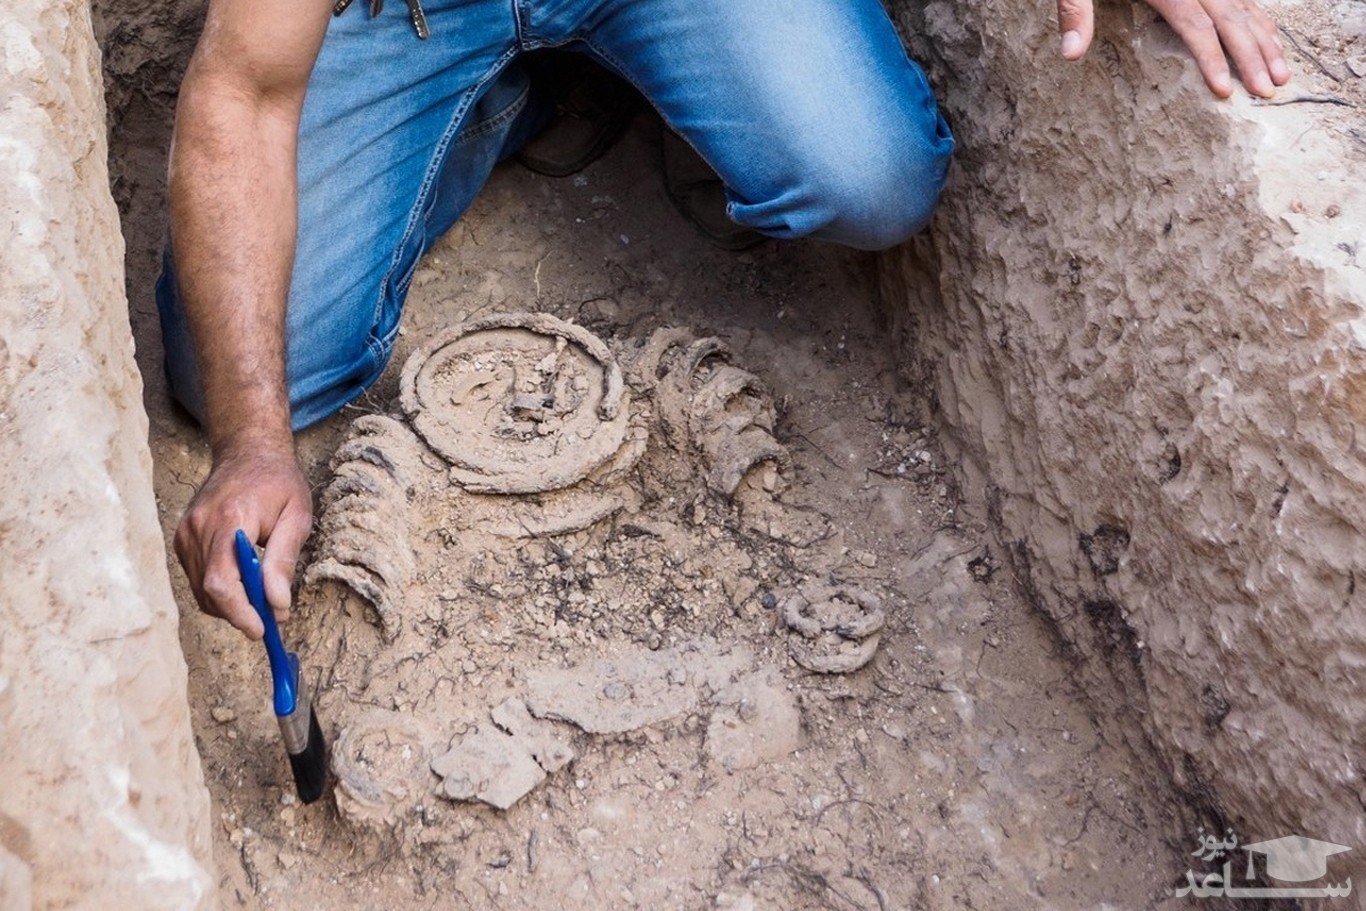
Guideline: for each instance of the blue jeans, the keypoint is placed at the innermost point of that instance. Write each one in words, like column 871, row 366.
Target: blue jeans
column 809, row 110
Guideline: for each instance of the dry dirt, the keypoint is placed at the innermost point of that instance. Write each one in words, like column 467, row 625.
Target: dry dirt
column 636, row 674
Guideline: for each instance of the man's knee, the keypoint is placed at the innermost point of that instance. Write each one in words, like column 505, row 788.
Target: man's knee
column 885, row 188
column 869, row 190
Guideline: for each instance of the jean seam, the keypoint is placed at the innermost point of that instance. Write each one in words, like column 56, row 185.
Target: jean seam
column 521, row 18
column 511, row 112
column 416, row 214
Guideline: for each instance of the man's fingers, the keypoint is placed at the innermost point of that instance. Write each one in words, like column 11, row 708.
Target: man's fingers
column 1196, row 28
column 266, row 496
column 188, row 555
column 1239, row 31
column 1077, row 22
column 224, row 594
column 1272, row 51
column 282, row 554
column 1239, row 27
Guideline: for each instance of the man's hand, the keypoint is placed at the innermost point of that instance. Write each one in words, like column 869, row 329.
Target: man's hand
column 267, row 497
column 1209, row 28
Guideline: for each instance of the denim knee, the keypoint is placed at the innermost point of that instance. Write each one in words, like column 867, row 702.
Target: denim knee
column 879, row 189
column 883, row 200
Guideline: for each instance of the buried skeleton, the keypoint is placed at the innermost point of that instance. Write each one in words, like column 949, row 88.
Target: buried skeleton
column 524, row 428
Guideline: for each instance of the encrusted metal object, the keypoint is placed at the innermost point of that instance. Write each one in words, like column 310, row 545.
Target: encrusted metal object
column 522, row 426
column 837, row 627
column 364, row 523
column 381, row 762
column 517, row 403
column 710, row 406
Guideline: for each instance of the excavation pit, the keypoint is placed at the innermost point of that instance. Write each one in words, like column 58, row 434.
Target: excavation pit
column 1124, row 416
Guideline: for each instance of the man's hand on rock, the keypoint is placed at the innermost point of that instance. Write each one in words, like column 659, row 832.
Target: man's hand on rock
column 264, row 494
column 1210, row 28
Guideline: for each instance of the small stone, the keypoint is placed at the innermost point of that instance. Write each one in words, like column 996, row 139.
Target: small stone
column 894, row 730
column 222, row 714
column 287, row 860
column 866, row 558
column 1358, row 66
column 287, row 816
column 1332, row 211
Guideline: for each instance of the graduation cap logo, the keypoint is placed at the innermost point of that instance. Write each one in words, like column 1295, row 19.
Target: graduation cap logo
column 1294, row 858
column 1290, row 859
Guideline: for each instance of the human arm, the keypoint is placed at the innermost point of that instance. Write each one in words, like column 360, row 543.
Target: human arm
column 233, row 218
column 1209, row 28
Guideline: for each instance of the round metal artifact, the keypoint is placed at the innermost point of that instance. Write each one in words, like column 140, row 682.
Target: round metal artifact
column 838, row 627
column 517, row 402
column 381, row 762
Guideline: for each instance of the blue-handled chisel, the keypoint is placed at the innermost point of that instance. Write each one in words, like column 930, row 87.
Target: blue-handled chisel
column 298, row 722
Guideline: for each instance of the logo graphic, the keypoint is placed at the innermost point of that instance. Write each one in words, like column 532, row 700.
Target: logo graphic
column 1290, row 859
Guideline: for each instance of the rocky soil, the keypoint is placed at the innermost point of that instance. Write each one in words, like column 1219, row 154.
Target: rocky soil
column 629, row 704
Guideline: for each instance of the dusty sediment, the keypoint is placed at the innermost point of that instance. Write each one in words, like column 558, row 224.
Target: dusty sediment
column 103, row 803
column 1141, row 311
column 1141, row 343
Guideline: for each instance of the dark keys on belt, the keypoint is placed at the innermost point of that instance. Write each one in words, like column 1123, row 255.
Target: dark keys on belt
column 415, row 14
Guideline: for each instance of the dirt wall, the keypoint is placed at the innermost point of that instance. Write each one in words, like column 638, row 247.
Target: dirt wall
column 102, row 802
column 1140, row 309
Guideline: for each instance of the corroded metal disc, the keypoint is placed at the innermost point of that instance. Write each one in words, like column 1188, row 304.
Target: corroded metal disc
column 517, row 403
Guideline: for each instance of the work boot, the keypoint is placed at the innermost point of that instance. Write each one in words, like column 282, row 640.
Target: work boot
column 592, row 109
column 698, row 193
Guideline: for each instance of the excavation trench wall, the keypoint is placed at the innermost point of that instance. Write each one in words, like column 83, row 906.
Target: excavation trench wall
column 102, row 804
column 1141, row 313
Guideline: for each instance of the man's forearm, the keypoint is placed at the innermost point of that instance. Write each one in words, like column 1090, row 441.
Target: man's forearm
column 232, row 189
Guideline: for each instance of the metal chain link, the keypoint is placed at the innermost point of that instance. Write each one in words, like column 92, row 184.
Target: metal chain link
column 415, row 14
